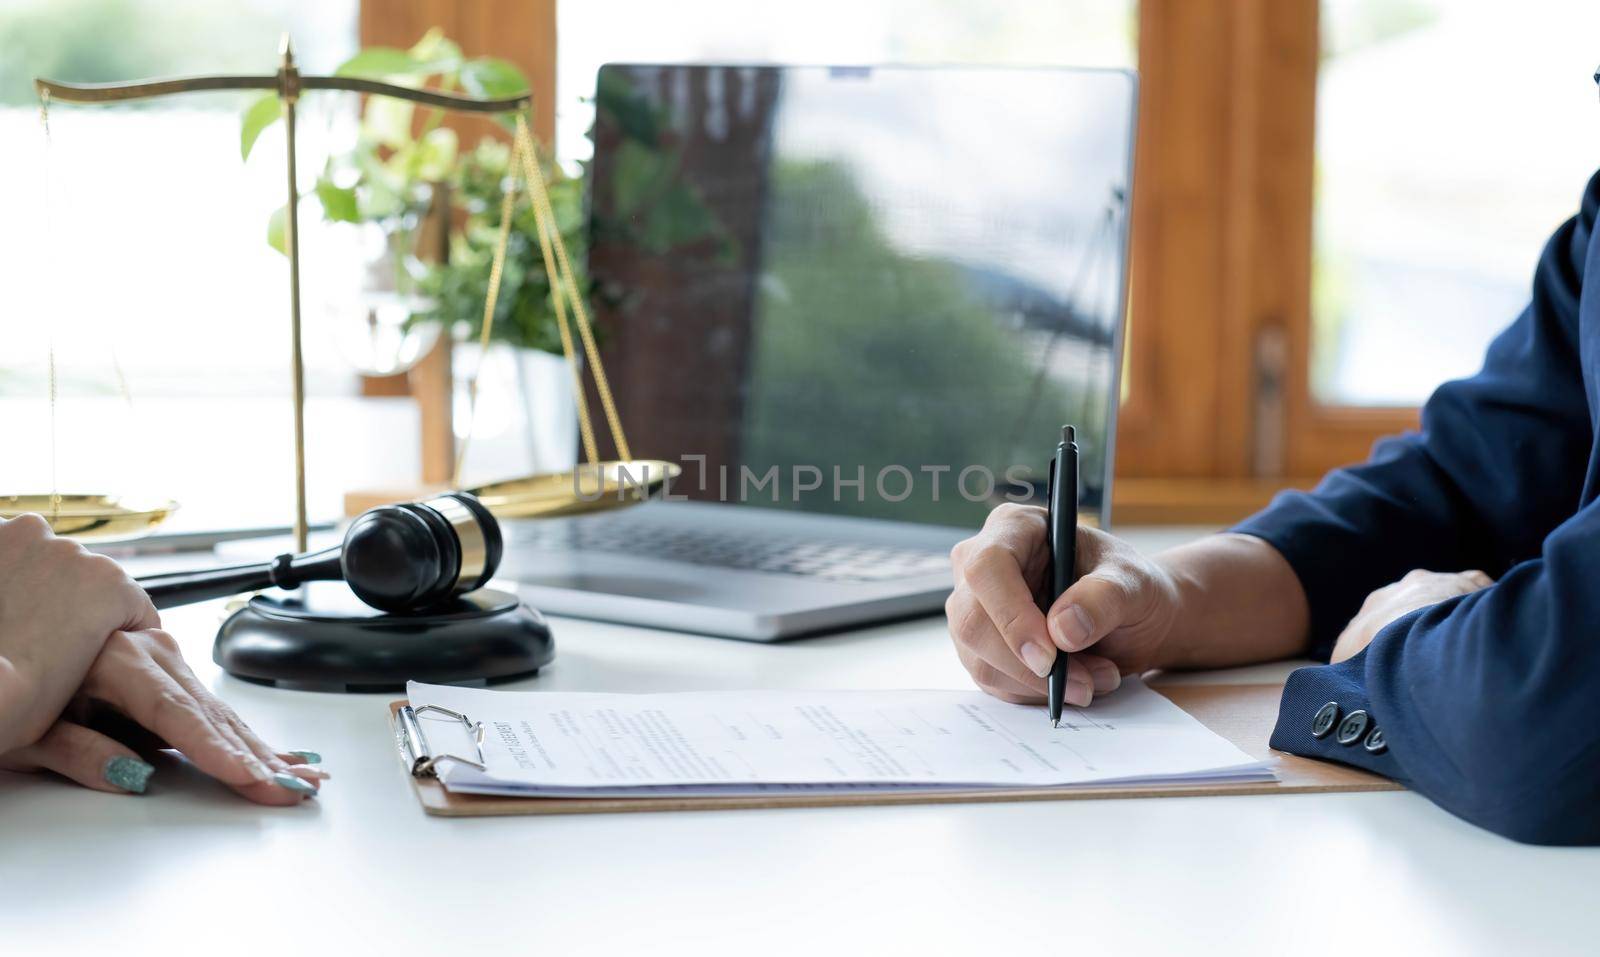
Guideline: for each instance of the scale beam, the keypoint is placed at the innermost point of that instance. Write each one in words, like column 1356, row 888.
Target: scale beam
column 536, row 496
column 113, row 92
column 289, row 83
column 144, row 89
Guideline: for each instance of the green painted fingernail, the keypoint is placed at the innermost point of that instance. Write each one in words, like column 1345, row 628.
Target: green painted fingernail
column 309, row 757
column 289, row 782
column 129, row 774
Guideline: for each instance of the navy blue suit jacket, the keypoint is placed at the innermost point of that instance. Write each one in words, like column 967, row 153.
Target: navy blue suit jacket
column 1489, row 704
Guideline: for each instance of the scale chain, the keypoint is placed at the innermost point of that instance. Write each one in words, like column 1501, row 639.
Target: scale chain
column 507, row 205
column 563, row 291
column 50, row 341
column 543, row 228
column 541, row 200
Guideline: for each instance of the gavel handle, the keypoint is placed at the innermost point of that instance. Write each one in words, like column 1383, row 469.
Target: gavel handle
column 285, row 571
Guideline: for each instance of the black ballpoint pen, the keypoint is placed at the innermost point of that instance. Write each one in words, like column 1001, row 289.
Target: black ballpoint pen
column 1062, row 528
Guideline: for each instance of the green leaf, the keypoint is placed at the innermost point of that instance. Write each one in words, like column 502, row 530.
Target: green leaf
column 276, row 225
column 566, row 201
column 378, row 62
column 436, row 155
column 388, row 121
column 492, row 78
column 378, row 188
column 437, row 52
column 379, row 201
column 338, row 203
column 257, row 117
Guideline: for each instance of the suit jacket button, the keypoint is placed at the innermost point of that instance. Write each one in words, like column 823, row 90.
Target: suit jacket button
column 1327, row 716
column 1375, row 742
column 1352, row 727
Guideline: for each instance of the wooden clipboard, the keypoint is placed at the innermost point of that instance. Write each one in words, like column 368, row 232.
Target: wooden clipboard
column 1244, row 714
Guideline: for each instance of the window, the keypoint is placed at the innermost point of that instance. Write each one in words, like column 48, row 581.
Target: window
column 1429, row 147
column 1452, row 138
column 144, row 258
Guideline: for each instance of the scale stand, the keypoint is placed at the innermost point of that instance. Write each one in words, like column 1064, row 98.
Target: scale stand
column 322, row 637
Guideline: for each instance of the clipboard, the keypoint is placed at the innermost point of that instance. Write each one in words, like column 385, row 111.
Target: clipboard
column 1243, row 713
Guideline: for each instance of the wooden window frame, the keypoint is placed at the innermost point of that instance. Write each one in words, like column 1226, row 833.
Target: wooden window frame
column 1220, row 411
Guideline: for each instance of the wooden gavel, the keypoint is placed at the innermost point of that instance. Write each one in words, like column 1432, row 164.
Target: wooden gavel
column 400, row 559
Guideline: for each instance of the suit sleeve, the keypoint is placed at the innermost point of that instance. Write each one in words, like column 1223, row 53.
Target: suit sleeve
column 1484, row 703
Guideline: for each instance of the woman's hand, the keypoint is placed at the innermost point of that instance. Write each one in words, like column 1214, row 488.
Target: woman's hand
column 140, row 692
column 58, row 605
column 77, row 635
column 1123, row 606
column 1418, row 589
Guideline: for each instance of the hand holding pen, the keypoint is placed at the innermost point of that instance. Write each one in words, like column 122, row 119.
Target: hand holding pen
column 1112, row 621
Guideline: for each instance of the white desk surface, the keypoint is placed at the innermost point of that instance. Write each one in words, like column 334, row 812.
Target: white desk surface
column 189, row 868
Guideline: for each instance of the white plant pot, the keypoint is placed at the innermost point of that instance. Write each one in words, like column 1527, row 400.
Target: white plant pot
column 526, row 417
column 550, row 412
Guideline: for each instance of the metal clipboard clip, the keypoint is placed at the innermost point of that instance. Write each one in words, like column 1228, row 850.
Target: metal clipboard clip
column 413, row 743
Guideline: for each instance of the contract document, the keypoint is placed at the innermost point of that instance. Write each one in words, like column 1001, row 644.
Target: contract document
column 580, row 744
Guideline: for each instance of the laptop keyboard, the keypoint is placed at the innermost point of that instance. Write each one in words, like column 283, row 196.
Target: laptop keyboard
column 802, row 557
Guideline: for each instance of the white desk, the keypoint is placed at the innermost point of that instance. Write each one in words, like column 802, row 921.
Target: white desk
column 189, row 868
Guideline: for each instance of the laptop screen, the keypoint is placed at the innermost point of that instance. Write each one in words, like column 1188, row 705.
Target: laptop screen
column 874, row 292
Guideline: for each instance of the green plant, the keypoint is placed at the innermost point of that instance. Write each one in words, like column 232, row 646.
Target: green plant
column 652, row 207
column 524, row 314
column 390, row 172
column 390, row 175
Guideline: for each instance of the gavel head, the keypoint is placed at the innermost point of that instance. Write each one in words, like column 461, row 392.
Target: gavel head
column 416, row 556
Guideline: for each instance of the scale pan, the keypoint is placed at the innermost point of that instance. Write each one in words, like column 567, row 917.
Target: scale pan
column 588, row 488
column 91, row 517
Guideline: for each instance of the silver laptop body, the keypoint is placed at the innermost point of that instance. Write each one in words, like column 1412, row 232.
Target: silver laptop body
column 857, row 304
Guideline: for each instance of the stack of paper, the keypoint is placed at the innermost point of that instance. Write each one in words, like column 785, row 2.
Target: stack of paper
column 559, row 744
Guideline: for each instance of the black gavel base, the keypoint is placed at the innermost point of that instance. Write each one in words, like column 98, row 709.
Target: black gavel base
column 320, row 637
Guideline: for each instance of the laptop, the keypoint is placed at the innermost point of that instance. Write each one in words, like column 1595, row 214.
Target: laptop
column 855, row 305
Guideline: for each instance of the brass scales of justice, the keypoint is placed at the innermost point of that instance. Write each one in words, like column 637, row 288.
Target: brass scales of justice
column 327, row 638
